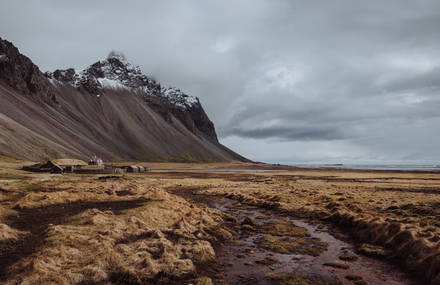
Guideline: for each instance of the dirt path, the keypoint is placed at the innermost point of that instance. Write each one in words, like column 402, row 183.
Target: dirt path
column 275, row 249
column 37, row 220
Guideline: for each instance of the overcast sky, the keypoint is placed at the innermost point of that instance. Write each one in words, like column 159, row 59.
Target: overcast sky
column 283, row 81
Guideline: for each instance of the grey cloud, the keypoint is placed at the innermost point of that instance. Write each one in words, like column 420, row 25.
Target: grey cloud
column 286, row 133
column 427, row 80
column 350, row 79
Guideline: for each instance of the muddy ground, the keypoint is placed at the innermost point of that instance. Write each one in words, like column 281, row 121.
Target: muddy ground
column 181, row 224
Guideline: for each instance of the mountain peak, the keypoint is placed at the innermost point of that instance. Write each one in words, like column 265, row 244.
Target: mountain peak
column 79, row 113
column 117, row 55
column 20, row 73
column 116, row 73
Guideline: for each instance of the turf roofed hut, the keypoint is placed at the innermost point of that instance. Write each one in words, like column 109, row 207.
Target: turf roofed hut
column 134, row 168
column 69, row 165
column 57, row 166
column 131, row 168
column 49, row 166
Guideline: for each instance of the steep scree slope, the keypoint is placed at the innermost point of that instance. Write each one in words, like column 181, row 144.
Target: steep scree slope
column 109, row 109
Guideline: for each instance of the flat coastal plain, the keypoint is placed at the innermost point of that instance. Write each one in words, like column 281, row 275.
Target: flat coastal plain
column 199, row 224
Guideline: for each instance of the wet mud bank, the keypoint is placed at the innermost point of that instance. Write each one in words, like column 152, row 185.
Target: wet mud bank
column 275, row 248
column 35, row 222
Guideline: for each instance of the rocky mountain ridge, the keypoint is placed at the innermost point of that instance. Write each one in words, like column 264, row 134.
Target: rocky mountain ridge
column 116, row 73
column 110, row 109
column 19, row 72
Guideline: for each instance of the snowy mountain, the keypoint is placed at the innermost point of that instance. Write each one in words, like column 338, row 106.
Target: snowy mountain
column 115, row 72
column 109, row 109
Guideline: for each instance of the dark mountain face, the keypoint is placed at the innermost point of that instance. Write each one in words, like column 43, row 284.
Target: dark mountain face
column 18, row 72
column 110, row 109
column 116, row 73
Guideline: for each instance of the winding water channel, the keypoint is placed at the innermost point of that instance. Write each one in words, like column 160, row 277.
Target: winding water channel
column 243, row 259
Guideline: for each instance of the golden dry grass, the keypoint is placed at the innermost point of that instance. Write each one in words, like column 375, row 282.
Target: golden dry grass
column 168, row 236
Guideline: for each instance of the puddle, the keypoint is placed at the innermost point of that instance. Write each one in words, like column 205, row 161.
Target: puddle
column 244, row 269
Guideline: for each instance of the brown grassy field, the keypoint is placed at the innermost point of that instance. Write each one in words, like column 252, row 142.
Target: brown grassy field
column 161, row 227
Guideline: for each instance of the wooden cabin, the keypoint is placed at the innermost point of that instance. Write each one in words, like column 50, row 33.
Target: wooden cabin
column 57, row 166
column 69, row 165
column 131, row 168
column 134, row 168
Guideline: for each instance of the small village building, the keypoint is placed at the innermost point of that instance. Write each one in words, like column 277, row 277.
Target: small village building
column 50, row 166
column 96, row 161
column 57, row 166
column 131, row 168
column 118, row 170
column 56, row 169
column 69, row 165
column 134, row 168
column 91, row 169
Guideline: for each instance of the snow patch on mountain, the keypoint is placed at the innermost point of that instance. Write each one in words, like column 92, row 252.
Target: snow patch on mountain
column 111, row 83
column 178, row 98
column 116, row 72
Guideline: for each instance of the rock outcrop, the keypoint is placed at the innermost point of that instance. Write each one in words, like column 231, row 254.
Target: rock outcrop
column 18, row 72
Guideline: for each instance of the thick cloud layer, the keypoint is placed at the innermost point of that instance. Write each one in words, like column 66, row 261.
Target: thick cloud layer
column 288, row 81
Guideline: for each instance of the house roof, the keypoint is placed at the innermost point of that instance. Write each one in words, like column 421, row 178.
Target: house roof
column 68, row 161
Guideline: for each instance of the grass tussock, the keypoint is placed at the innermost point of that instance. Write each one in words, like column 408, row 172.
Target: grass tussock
column 392, row 241
column 8, row 234
column 392, row 215
column 86, row 235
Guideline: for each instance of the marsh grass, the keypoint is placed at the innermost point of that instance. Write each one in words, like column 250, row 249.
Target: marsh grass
column 283, row 228
column 308, row 246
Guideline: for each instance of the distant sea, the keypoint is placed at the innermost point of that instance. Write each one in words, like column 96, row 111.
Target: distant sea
column 408, row 167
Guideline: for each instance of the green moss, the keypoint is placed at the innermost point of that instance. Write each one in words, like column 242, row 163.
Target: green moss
column 305, row 245
column 268, row 260
column 283, row 228
column 274, row 244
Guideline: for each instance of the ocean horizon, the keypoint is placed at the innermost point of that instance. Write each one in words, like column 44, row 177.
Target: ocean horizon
column 371, row 166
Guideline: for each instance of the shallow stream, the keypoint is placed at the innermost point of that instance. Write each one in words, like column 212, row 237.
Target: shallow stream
column 241, row 258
